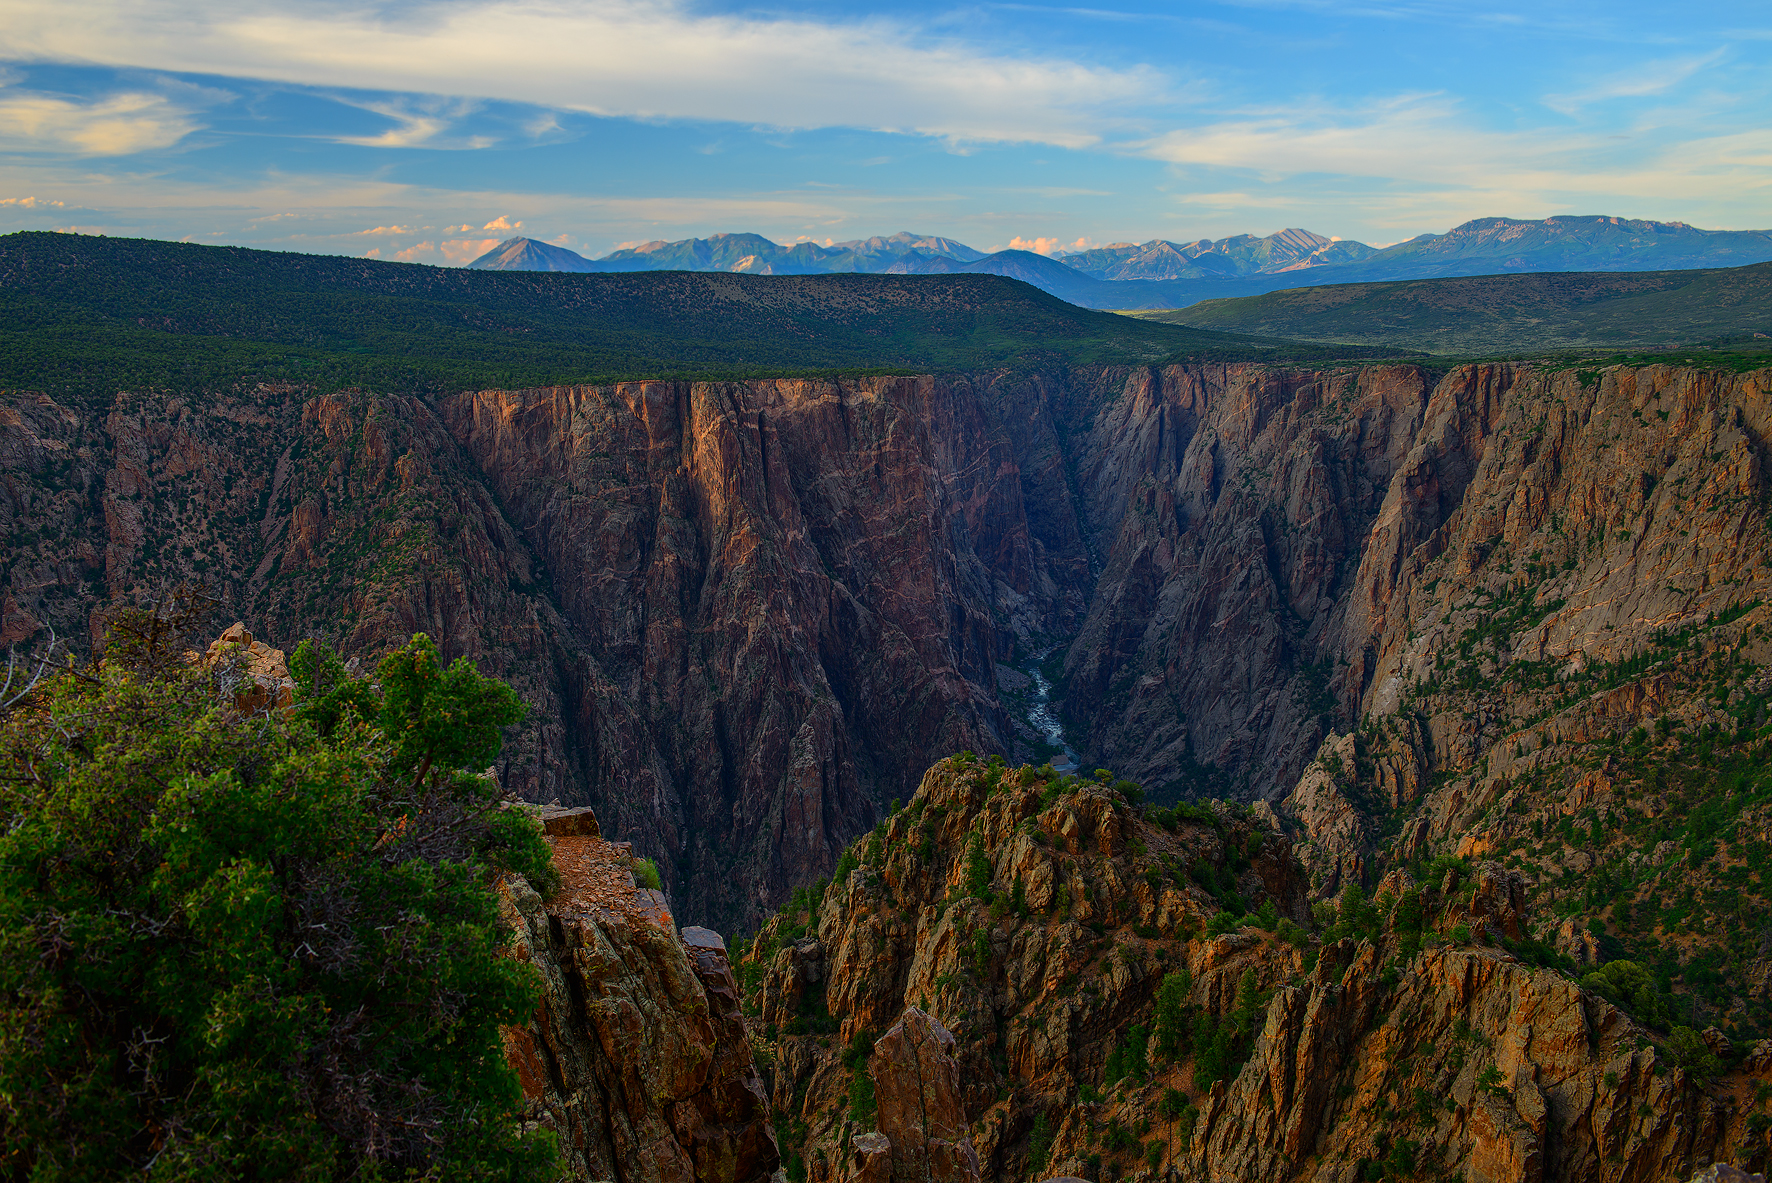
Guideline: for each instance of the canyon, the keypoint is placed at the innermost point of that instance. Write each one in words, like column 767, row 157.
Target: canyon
column 747, row 615
column 1437, row 704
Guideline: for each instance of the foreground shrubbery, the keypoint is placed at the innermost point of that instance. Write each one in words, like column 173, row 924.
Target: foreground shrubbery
column 258, row 945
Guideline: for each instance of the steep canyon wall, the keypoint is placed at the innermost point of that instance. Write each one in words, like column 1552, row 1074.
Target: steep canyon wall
column 748, row 615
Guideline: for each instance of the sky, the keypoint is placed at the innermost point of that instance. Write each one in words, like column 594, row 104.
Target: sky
column 429, row 130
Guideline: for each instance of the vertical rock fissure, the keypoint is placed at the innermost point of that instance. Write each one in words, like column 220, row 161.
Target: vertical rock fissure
column 922, row 1107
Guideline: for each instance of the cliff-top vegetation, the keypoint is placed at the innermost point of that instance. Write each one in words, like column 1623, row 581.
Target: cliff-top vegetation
column 248, row 943
column 95, row 315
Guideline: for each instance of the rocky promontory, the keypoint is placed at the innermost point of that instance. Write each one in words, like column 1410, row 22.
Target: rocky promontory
column 637, row 1057
column 1136, row 992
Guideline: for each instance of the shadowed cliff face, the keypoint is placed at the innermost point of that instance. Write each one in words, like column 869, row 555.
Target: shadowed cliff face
column 1233, row 506
column 748, row 615
column 785, row 599
column 1291, row 552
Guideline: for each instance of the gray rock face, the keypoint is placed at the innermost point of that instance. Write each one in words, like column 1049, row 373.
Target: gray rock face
column 1724, row 1173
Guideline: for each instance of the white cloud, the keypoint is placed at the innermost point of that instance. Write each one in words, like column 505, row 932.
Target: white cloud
column 1641, row 81
column 115, row 125
column 1040, row 246
column 502, row 222
column 1433, row 166
column 31, row 203
column 640, row 58
column 419, row 122
column 466, row 250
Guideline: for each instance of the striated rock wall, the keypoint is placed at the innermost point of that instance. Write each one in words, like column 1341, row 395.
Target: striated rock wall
column 787, row 599
column 747, row 615
column 637, row 1057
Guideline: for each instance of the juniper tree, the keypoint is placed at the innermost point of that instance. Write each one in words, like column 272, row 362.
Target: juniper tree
column 245, row 945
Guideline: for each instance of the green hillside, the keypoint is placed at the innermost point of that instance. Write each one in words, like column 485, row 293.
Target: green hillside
column 82, row 314
column 1504, row 314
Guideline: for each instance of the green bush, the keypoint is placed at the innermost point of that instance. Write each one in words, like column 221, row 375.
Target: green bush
column 861, row 1097
column 1692, row 1053
column 646, row 874
column 260, row 945
column 978, row 869
column 1039, row 1144
column 1171, row 1019
column 1631, row 986
column 1131, row 791
column 861, row 1046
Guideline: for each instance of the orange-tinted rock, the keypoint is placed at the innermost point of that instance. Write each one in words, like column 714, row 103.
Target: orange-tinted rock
column 637, row 1056
column 264, row 679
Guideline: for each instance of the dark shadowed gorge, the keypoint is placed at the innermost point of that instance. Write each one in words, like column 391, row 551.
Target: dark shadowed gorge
column 747, row 615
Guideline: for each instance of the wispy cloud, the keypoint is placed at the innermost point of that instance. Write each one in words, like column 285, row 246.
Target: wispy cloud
column 114, row 125
column 1425, row 158
column 639, row 58
column 1641, row 81
column 418, row 122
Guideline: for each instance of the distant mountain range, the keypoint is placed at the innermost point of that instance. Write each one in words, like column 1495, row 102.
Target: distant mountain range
column 1163, row 274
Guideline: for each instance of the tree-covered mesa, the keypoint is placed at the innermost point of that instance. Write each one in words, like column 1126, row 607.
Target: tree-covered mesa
column 258, row 944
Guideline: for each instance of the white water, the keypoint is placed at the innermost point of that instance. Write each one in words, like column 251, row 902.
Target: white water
column 1041, row 716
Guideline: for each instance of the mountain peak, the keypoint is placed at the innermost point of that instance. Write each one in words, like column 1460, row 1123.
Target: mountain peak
column 526, row 254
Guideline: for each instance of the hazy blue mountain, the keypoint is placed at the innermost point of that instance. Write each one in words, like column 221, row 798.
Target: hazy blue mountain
column 1163, row 274
column 1592, row 242
column 1240, row 255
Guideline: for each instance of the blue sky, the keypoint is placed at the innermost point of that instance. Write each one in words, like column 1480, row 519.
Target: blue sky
column 429, row 130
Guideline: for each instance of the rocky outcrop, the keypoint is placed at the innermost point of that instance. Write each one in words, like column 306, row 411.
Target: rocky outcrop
column 1479, row 1064
column 638, row 1056
column 1019, row 923
column 1386, row 1043
column 917, row 1090
column 256, row 674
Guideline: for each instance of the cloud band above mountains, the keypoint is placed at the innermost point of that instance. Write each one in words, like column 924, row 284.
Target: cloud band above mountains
column 633, row 58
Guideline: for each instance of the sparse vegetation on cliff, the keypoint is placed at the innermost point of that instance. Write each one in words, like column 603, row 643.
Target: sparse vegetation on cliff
column 1128, row 1021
